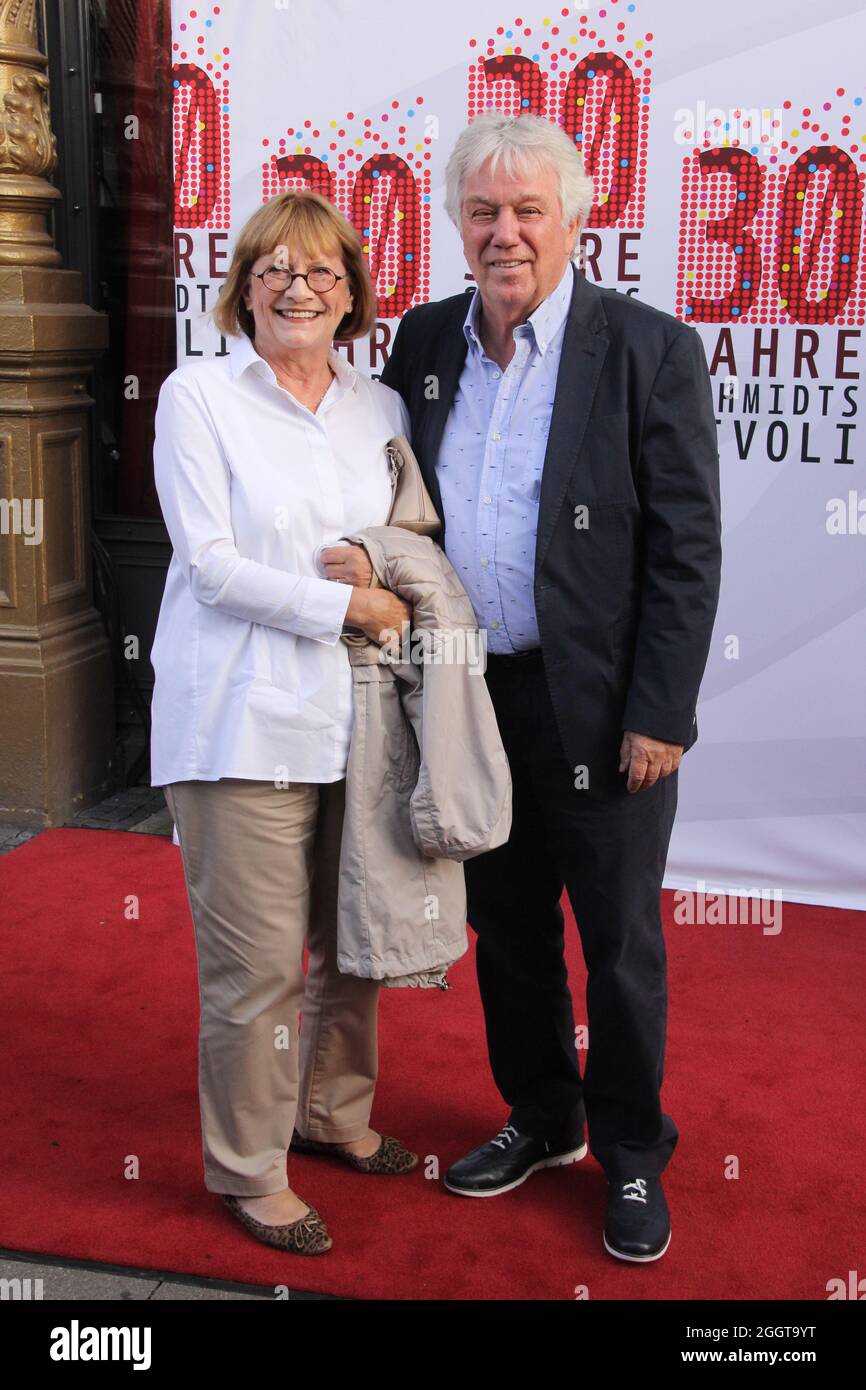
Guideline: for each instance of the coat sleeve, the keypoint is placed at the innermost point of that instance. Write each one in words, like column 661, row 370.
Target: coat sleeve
column 193, row 481
column 678, row 488
column 462, row 803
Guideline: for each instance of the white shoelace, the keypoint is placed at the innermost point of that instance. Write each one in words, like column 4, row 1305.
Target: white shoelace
column 505, row 1136
column 640, row 1195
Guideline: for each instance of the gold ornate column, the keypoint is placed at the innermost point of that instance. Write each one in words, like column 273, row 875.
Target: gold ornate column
column 56, row 697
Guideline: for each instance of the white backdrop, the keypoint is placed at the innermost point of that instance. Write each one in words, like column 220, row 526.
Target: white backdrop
column 773, row 796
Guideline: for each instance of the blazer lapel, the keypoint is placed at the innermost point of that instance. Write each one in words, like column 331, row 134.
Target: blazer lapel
column 450, row 355
column 584, row 348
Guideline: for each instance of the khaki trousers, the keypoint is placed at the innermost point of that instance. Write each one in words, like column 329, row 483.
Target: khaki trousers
column 261, row 865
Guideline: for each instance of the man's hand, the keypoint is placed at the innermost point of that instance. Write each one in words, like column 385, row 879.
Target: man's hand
column 647, row 759
column 348, row 564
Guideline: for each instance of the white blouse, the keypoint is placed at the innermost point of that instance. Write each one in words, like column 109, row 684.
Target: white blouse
column 252, row 679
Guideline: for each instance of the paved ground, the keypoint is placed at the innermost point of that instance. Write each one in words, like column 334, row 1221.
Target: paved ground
column 143, row 810
column 110, row 1283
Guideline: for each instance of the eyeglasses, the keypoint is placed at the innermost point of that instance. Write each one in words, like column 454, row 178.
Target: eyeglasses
column 320, row 279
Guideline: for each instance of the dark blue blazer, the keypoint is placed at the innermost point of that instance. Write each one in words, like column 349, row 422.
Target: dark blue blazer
column 628, row 548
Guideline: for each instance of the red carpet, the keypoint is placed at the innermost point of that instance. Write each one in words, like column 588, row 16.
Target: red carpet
column 764, row 1063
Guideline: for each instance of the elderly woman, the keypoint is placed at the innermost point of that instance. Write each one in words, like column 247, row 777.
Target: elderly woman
column 264, row 458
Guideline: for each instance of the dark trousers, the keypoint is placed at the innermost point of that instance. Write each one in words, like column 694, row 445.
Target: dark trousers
column 608, row 848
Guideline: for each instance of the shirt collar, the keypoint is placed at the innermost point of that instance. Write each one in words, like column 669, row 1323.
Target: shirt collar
column 243, row 355
column 543, row 323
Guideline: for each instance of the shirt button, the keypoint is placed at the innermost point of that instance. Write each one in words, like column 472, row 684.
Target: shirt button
column 496, row 376
column 494, row 624
column 487, row 498
column 497, row 435
column 483, row 560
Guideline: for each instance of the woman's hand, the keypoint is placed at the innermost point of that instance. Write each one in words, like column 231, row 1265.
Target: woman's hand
column 378, row 613
column 348, row 564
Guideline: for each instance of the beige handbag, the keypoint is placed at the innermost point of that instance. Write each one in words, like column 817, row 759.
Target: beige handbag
column 411, row 505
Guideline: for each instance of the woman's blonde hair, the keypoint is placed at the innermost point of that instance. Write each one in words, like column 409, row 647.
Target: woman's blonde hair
column 304, row 219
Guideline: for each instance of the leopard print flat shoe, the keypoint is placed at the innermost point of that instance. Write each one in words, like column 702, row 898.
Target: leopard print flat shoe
column 391, row 1158
column 306, row 1236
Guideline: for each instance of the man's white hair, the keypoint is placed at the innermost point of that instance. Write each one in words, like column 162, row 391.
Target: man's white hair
column 520, row 143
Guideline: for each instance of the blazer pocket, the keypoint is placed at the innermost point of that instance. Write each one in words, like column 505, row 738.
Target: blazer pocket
column 602, row 472
column 604, row 539
column 609, row 423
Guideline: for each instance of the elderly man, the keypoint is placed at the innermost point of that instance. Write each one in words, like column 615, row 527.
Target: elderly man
column 567, row 437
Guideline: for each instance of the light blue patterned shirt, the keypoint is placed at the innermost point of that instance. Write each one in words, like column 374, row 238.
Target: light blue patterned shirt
column 489, row 468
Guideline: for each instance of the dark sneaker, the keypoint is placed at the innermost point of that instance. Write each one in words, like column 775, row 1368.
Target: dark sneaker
column 638, row 1224
column 509, row 1159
